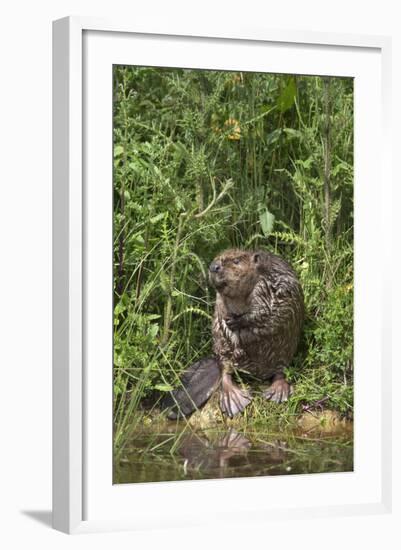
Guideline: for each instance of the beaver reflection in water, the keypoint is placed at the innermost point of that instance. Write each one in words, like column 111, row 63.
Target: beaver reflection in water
column 256, row 328
column 230, row 454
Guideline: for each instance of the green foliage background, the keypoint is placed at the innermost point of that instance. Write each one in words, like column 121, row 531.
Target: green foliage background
column 205, row 160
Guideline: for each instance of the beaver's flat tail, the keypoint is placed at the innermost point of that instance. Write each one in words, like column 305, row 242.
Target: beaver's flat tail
column 197, row 384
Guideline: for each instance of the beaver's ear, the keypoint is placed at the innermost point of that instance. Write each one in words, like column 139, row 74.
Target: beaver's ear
column 256, row 257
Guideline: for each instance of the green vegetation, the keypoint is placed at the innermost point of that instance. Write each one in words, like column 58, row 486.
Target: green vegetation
column 207, row 160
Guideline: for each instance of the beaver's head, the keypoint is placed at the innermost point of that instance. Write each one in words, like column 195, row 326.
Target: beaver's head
column 234, row 273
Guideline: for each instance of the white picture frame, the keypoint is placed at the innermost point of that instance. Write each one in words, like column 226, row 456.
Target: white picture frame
column 80, row 44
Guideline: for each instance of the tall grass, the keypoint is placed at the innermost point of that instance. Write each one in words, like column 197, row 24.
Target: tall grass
column 207, row 160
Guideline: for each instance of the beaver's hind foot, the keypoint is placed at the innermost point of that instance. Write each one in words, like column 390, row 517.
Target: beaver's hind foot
column 279, row 391
column 233, row 399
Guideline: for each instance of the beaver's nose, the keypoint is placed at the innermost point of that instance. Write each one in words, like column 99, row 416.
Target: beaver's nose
column 214, row 267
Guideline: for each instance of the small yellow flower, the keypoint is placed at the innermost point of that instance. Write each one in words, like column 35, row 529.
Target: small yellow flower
column 234, row 129
column 233, row 80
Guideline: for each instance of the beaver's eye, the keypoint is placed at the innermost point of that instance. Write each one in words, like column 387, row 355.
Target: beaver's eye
column 236, row 261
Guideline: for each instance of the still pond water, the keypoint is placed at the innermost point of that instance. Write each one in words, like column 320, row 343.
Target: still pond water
column 182, row 453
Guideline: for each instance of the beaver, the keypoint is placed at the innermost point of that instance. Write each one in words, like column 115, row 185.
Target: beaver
column 256, row 328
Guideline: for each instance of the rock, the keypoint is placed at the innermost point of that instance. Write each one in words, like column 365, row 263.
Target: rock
column 323, row 421
column 208, row 416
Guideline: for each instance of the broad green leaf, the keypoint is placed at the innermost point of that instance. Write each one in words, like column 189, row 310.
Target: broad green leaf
column 118, row 150
column 286, row 98
column 290, row 132
column 152, row 316
column 120, row 308
column 266, row 219
column 153, row 330
column 139, row 239
column 307, row 163
column 157, row 218
column 274, row 136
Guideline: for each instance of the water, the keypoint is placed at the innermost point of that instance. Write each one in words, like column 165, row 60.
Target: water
column 181, row 453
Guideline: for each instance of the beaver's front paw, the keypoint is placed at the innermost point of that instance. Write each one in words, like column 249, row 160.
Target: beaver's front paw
column 279, row 391
column 235, row 322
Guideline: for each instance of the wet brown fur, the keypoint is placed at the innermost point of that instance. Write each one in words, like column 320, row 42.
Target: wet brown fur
column 258, row 314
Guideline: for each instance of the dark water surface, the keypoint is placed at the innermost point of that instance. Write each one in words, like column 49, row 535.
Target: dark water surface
column 182, row 453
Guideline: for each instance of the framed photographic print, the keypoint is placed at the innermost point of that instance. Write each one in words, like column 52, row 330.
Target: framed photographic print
column 217, row 201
